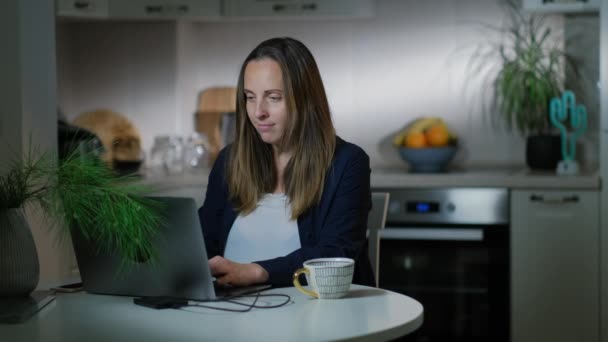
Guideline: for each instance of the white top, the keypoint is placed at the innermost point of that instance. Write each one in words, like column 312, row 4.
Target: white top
column 365, row 314
column 266, row 233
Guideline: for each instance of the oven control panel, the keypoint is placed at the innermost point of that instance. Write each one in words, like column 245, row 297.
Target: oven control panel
column 448, row 205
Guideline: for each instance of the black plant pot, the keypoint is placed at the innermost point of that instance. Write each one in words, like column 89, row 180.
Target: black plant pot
column 543, row 152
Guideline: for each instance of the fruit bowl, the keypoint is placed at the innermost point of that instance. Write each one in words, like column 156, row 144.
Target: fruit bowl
column 429, row 159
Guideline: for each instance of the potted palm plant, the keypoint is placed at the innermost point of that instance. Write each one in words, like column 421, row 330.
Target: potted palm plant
column 80, row 192
column 526, row 70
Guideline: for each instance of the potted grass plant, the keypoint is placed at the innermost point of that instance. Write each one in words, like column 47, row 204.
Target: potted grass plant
column 525, row 70
column 78, row 193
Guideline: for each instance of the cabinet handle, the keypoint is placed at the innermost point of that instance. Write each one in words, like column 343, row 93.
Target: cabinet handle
column 437, row 234
column 565, row 199
column 154, row 9
column 309, row 7
column 81, row 4
column 278, row 8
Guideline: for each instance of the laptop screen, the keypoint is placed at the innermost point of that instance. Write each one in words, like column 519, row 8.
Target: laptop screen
column 181, row 271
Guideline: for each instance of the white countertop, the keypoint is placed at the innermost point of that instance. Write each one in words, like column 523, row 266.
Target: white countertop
column 185, row 179
column 186, row 184
column 506, row 177
column 194, row 184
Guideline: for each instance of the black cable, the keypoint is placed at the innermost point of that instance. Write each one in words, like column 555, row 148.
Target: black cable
column 163, row 302
column 199, row 305
column 249, row 306
column 264, row 295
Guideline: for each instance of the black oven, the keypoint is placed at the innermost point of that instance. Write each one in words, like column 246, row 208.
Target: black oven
column 449, row 249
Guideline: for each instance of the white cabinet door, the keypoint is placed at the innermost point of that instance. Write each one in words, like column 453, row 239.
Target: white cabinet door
column 337, row 8
column 561, row 6
column 82, row 8
column 164, row 9
column 261, row 8
column 299, row 8
column 555, row 265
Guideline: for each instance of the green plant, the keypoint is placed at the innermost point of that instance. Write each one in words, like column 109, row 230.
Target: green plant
column 82, row 193
column 527, row 69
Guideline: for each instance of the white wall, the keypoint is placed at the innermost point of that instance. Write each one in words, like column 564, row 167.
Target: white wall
column 407, row 61
column 582, row 32
column 126, row 67
column 28, row 107
column 9, row 83
column 603, row 67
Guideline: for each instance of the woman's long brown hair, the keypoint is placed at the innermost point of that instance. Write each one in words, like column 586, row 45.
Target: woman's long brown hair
column 309, row 134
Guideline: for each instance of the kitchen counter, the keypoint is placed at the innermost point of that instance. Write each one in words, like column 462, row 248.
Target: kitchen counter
column 185, row 179
column 505, row 177
column 180, row 185
column 194, row 184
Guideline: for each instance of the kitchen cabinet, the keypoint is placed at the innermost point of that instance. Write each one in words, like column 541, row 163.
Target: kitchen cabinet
column 212, row 9
column 554, row 265
column 299, row 8
column 82, row 8
column 164, row 9
column 561, row 6
column 139, row 9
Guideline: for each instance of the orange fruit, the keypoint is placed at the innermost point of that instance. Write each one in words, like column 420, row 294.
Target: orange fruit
column 415, row 140
column 437, row 135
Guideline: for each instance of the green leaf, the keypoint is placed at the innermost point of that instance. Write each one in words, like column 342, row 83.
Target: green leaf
column 529, row 63
column 82, row 193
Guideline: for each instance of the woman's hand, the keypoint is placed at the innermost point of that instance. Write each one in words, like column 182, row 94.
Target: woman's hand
column 232, row 273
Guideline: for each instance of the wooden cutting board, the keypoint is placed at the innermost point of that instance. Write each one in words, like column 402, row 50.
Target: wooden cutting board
column 213, row 103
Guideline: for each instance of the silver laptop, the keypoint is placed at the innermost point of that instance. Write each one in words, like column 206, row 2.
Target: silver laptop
column 181, row 271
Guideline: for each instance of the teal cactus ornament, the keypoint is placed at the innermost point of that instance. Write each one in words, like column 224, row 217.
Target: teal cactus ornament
column 562, row 109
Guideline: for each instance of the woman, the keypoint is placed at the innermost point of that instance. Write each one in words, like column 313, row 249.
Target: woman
column 288, row 189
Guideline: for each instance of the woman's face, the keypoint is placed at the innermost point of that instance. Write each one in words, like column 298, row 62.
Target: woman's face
column 265, row 97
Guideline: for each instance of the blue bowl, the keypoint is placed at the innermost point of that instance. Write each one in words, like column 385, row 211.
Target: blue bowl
column 429, row 159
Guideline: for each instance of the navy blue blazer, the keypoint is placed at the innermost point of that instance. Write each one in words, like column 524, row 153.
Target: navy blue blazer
column 336, row 227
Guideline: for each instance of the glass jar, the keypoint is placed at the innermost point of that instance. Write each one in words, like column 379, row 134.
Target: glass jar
column 156, row 163
column 166, row 156
column 174, row 160
column 196, row 152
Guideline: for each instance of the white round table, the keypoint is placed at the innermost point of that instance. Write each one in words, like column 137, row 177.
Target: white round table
column 366, row 314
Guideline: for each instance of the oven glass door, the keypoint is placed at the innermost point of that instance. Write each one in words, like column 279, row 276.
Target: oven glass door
column 459, row 273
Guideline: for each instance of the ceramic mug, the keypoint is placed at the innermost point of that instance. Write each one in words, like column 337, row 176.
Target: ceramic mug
column 328, row 277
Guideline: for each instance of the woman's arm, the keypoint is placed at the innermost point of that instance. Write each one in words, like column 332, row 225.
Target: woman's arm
column 228, row 272
column 212, row 211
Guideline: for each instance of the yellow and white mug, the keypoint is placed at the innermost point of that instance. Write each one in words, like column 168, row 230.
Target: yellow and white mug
column 329, row 278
